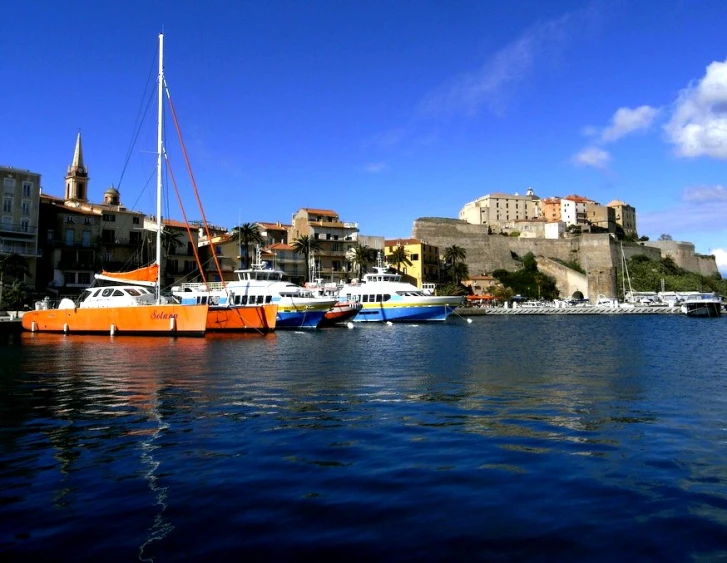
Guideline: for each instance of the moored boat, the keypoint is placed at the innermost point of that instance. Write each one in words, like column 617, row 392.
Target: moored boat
column 229, row 311
column 340, row 313
column 297, row 306
column 122, row 310
column 702, row 305
column 129, row 308
column 385, row 298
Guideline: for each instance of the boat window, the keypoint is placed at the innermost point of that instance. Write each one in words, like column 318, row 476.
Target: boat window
column 365, row 298
column 204, row 300
column 237, row 299
column 118, row 293
column 106, row 292
column 387, row 296
column 132, row 291
column 268, row 299
column 95, row 294
column 260, row 299
column 378, row 298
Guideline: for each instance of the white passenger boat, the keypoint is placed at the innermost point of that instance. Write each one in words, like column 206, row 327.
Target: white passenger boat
column 384, row 297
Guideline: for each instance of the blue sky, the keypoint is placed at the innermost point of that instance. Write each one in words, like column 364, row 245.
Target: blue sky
column 384, row 111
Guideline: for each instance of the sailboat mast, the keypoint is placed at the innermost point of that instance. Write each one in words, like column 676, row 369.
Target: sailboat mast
column 159, row 167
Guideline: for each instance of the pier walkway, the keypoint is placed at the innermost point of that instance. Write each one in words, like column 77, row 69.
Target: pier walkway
column 588, row 310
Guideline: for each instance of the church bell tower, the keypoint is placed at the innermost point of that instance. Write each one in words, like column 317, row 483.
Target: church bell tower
column 77, row 176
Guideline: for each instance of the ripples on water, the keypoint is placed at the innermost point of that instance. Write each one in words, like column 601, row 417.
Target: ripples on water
column 511, row 438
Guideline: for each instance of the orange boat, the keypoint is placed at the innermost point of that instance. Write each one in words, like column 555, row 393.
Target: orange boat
column 230, row 311
column 258, row 318
column 128, row 309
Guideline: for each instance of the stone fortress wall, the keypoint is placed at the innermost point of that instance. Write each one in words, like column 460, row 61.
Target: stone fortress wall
column 598, row 254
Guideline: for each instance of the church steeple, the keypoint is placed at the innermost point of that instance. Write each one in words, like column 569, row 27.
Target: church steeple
column 77, row 175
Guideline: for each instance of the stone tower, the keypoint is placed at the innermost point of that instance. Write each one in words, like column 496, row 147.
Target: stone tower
column 77, row 176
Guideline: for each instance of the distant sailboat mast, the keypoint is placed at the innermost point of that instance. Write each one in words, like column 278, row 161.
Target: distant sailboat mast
column 159, row 166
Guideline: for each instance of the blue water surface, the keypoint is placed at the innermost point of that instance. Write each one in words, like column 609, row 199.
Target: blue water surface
column 513, row 438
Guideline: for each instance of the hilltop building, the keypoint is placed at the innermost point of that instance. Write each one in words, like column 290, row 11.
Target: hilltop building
column 625, row 216
column 497, row 208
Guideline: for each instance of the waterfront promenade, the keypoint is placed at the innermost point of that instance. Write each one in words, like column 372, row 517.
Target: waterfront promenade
column 588, row 310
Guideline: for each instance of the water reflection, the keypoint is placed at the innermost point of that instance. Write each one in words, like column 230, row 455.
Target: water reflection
column 420, row 437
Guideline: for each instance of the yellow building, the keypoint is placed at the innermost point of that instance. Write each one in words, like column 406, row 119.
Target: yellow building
column 423, row 260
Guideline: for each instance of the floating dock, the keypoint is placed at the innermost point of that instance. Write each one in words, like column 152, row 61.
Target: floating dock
column 589, row 310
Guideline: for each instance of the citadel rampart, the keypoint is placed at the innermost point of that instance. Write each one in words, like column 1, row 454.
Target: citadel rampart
column 598, row 254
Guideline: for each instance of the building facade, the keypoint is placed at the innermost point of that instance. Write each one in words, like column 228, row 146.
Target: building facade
column 497, row 208
column 423, row 260
column 625, row 216
column 20, row 216
column 334, row 236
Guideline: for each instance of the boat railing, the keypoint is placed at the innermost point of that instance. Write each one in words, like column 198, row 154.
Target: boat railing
column 200, row 286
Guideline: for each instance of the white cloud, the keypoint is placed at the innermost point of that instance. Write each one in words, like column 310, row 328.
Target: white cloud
column 375, row 167
column 627, row 120
column 705, row 194
column 720, row 255
column 698, row 126
column 490, row 85
column 592, row 156
column 624, row 122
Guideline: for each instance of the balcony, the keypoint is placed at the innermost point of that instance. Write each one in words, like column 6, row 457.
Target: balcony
column 18, row 228
column 21, row 249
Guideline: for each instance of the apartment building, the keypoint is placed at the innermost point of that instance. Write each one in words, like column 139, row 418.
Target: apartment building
column 20, row 216
column 497, row 208
column 334, row 236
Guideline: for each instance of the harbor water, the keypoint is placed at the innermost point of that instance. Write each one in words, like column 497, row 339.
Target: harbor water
column 510, row 438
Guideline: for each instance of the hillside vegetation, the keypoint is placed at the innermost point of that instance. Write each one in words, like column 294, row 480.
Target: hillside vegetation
column 647, row 275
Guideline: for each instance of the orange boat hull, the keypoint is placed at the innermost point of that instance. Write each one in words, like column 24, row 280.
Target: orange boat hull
column 170, row 319
column 253, row 318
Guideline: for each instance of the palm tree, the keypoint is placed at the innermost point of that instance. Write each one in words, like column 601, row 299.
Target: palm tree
column 306, row 246
column 452, row 255
column 12, row 265
column 362, row 256
column 460, row 271
column 398, row 257
column 244, row 235
column 171, row 241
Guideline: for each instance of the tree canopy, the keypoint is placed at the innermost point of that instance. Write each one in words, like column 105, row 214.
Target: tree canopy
column 306, row 245
column 246, row 234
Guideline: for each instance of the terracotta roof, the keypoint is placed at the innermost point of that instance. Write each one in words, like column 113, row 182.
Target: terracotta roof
column 280, row 246
column 51, row 197
column 274, row 226
column 311, row 211
column 174, row 223
column 577, row 198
